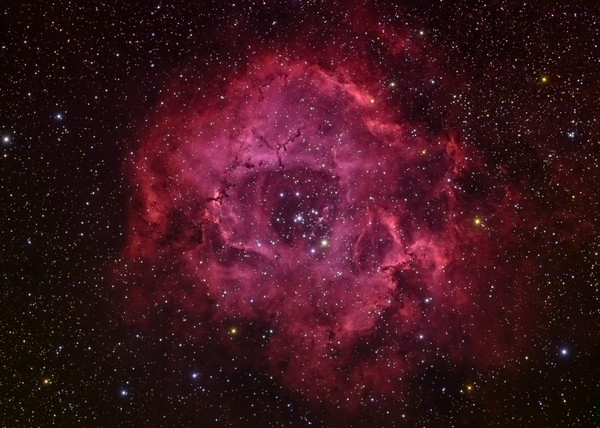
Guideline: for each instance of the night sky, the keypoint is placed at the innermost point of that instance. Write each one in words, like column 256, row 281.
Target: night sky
column 299, row 213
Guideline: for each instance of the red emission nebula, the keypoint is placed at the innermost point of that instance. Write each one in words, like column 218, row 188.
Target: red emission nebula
column 296, row 198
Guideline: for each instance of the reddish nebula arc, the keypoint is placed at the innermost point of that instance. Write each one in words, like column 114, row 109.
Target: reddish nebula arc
column 297, row 198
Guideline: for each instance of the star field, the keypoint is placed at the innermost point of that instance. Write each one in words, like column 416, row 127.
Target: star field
column 299, row 213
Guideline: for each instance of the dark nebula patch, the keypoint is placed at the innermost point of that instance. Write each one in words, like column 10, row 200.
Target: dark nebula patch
column 295, row 200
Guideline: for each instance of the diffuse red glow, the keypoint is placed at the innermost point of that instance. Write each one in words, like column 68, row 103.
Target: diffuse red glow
column 298, row 198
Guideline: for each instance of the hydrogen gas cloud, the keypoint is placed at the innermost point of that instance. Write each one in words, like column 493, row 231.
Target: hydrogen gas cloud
column 305, row 206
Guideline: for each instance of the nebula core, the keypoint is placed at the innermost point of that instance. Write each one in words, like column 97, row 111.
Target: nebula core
column 298, row 204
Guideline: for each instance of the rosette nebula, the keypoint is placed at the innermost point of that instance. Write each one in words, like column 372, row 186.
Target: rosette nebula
column 300, row 216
